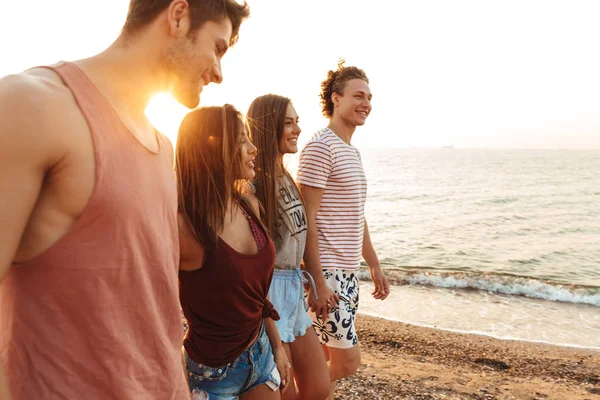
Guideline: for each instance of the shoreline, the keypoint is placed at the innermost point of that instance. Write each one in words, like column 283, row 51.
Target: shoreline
column 477, row 333
column 403, row 361
column 505, row 317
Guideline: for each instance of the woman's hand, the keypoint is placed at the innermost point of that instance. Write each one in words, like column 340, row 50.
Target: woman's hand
column 283, row 366
column 327, row 300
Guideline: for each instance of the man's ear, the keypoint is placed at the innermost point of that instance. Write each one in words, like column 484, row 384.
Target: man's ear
column 335, row 98
column 178, row 17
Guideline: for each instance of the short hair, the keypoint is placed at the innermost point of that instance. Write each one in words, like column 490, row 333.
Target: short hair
column 143, row 12
column 336, row 83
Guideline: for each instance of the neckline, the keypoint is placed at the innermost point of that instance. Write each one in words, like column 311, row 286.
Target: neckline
column 103, row 98
column 259, row 252
column 329, row 130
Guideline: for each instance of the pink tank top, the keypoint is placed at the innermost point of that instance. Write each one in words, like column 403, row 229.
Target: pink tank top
column 97, row 315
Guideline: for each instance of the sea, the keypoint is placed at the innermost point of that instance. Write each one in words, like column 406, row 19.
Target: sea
column 504, row 243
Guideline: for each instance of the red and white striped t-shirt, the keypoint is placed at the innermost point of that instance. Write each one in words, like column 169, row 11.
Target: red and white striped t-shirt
column 329, row 163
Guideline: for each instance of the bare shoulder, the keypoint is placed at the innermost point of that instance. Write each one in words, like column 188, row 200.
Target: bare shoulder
column 34, row 113
column 36, row 90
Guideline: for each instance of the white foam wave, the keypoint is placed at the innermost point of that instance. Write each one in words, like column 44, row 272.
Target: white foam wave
column 518, row 287
column 509, row 285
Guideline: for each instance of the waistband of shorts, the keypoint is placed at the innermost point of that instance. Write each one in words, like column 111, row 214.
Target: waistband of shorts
column 296, row 275
column 287, row 274
column 341, row 268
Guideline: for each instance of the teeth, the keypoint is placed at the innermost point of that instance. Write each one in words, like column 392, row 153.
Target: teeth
column 293, row 140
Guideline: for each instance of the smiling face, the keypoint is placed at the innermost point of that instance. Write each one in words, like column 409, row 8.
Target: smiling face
column 193, row 61
column 288, row 141
column 247, row 156
column 353, row 106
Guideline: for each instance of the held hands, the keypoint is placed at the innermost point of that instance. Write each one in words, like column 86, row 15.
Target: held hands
column 327, row 300
column 283, row 366
column 382, row 286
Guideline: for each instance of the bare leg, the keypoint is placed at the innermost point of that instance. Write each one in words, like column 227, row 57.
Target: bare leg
column 310, row 367
column 290, row 392
column 262, row 392
column 342, row 363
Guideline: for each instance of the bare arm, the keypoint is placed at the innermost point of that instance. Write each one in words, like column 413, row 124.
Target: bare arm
column 191, row 253
column 4, row 389
column 382, row 287
column 368, row 251
column 28, row 150
column 312, row 202
column 281, row 360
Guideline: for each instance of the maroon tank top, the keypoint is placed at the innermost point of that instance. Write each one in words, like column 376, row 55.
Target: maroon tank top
column 225, row 301
column 260, row 236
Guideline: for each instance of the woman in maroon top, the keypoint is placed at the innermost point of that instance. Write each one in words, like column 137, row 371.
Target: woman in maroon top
column 232, row 349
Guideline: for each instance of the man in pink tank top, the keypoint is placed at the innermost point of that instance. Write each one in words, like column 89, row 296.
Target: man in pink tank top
column 89, row 305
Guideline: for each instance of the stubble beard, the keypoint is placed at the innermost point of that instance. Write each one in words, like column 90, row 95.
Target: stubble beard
column 182, row 88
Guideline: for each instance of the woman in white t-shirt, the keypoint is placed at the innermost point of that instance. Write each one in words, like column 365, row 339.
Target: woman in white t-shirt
column 273, row 128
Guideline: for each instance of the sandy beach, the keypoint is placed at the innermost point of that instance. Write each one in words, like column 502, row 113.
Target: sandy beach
column 403, row 361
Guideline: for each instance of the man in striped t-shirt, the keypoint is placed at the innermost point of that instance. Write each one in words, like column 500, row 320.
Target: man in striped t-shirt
column 334, row 188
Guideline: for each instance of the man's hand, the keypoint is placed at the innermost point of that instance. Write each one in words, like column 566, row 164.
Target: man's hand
column 327, row 300
column 382, row 286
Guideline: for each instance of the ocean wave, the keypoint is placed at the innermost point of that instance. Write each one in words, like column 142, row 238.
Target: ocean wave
column 495, row 283
column 503, row 200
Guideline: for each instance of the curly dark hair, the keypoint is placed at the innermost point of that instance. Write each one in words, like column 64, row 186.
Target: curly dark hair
column 336, row 83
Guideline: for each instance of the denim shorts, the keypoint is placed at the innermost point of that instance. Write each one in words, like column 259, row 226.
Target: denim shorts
column 287, row 295
column 254, row 367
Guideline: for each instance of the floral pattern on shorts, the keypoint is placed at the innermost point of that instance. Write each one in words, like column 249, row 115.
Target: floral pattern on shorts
column 339, row 330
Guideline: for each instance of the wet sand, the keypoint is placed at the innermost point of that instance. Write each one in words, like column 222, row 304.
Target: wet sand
column 402, row 361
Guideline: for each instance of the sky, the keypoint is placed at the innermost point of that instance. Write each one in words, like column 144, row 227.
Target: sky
column 472, row 74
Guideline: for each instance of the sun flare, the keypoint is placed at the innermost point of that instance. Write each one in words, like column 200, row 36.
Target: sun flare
column 166, row 114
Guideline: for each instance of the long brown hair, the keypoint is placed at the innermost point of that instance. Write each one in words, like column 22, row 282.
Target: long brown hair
column 265, row 120
column 207, row 163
